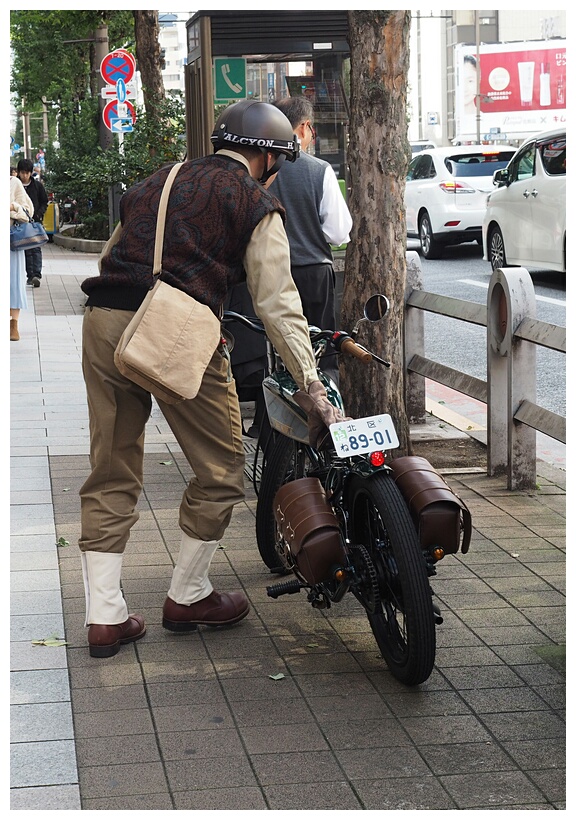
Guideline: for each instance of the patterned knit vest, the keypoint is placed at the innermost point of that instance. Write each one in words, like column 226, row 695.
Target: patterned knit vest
column 213, row 208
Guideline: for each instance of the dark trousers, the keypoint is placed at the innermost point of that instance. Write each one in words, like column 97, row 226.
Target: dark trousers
column 317, row 287
column 33, row 263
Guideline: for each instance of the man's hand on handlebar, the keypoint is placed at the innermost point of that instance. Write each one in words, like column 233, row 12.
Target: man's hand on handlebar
column 321, row 413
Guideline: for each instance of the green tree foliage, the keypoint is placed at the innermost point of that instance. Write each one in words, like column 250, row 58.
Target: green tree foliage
column 52, row 52
column 82, row 171
column 53, row 58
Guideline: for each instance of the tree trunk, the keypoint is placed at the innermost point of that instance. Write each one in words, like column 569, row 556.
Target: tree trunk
column 376, row 256
column 146, row 30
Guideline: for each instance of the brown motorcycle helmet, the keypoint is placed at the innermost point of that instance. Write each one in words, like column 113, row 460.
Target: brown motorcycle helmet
column 255, row 124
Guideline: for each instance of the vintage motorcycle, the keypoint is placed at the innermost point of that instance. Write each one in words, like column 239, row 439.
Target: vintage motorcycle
column 344, row 517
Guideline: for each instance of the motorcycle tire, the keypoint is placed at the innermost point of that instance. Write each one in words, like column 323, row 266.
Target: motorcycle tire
column 279, row 467
column 400, row 613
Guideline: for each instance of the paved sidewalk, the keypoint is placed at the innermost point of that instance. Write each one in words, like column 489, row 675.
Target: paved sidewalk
column 199, row 721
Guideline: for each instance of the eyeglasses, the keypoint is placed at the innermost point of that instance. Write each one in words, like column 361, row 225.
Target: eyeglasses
column 313, row 130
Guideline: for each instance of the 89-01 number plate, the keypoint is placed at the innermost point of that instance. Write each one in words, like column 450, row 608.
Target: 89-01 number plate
column 357, row 436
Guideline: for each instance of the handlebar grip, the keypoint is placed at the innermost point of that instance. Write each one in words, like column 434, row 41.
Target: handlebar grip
column 350, row 347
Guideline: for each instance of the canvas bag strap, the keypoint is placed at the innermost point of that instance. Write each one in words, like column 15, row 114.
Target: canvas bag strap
column 161, row 221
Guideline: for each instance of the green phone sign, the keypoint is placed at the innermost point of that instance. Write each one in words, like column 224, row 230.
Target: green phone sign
column 229, row 79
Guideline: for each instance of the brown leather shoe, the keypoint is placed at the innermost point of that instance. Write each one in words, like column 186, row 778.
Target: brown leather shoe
column 218, row 609
column 104, row 640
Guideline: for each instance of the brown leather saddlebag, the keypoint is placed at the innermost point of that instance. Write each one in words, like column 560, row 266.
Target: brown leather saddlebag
column 441, row 518
column 310, row 528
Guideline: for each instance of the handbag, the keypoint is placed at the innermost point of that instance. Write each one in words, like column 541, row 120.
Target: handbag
column 309, row 529
column 169, row 342
column 27, row 235
column 441, row 518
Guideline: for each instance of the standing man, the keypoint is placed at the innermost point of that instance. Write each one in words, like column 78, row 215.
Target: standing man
column 37, row 193
column 316, row 217
column 222, row 227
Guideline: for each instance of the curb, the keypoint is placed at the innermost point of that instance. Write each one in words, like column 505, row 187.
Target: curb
column 73, row 243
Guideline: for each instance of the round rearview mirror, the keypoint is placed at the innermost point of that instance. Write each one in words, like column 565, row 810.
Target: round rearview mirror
column 229, row 337
column 376, row 307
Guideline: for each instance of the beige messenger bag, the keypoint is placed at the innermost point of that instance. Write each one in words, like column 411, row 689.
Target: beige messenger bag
column 171, row 338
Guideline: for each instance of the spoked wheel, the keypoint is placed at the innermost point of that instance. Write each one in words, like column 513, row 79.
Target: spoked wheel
column 429, row 245
column 286, row 461
column 496, row 248
column 402, row 620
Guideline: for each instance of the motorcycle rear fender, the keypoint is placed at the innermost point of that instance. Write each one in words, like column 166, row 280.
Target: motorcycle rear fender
column 361, row 466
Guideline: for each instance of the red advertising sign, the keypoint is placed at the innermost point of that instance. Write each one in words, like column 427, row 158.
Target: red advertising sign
column 520, row 88
column 523, row 80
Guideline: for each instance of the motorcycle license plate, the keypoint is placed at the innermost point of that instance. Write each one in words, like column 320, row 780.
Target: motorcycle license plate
column 357, row 436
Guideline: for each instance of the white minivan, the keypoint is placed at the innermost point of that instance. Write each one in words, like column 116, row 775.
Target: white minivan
column 525, row 220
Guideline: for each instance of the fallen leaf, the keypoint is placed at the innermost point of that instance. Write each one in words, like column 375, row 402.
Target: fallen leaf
column 53, row 640
column 222, row 547
column 166, row 463
column 62, row 542
column 279, row 676
column 66, row 490
column 515, row 554
column 312, row 644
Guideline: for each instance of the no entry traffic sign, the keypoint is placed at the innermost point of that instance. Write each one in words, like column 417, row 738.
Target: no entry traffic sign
column 118, row 65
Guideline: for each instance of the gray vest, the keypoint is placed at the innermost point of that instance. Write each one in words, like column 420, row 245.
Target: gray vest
column 299, row 187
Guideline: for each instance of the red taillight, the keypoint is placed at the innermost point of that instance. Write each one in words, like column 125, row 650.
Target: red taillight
column 377, row 458
column 452, row 187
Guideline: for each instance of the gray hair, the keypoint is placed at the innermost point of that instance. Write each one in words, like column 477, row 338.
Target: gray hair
column 297, row 109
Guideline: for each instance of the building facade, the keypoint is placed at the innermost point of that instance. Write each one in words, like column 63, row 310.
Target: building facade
column 493, row 75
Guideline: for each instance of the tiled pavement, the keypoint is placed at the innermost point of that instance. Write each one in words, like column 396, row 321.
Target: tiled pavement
column 197, row 722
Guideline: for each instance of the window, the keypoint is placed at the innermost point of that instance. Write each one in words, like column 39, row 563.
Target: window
column 478, row 165
column 553, row 156
column 522, row 166
column 421, row 168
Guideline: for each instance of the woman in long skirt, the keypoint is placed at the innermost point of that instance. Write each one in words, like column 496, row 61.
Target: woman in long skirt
column 20, row 208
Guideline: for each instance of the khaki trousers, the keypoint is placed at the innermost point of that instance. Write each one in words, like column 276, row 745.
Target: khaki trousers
column 207, row 428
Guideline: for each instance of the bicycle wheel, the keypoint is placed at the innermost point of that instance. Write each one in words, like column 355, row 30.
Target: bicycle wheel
column 399, row 601
column 286, row 461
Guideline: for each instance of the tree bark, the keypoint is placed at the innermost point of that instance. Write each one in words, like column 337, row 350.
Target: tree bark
column 376, row 256
column 146, row 30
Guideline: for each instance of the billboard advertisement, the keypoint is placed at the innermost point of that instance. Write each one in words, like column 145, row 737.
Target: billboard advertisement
column 522, row 88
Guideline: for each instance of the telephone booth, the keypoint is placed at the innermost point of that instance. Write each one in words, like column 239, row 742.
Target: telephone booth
column 235, row 55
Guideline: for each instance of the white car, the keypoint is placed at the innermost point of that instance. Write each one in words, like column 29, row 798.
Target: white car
column 445, row 195
column 525, row 220
column 421, row 145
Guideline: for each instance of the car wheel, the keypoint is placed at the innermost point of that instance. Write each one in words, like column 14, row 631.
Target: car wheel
column 496, row 248
column 430, row 247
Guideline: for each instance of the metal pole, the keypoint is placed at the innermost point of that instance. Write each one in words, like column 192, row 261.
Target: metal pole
column 26, row 131
column 45, row 134
column 477, row 29
column 206, row 85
